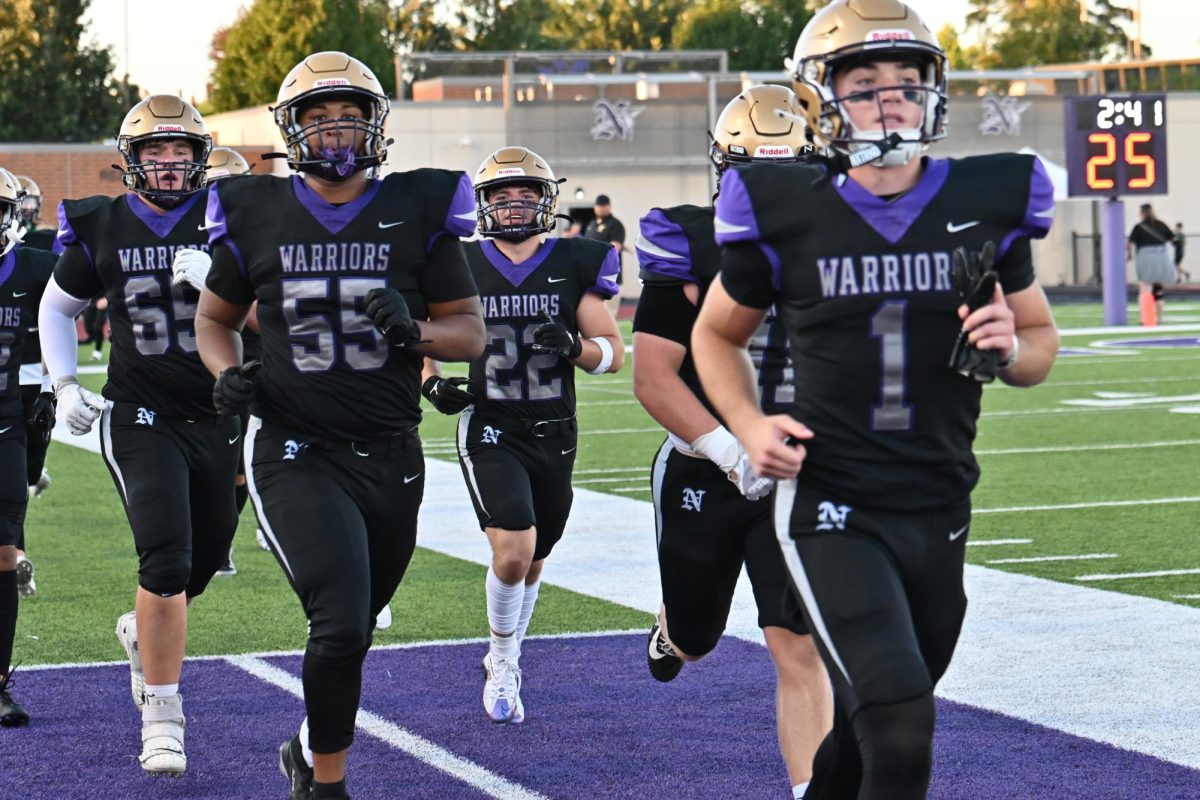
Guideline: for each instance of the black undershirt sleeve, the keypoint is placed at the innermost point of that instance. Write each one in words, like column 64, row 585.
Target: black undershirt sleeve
column 665, row 311
column 747, row 276
column 225, row 278
column 75, row 274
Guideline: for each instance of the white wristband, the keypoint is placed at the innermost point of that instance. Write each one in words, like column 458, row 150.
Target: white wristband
column 606, row 355
column 1012, row 356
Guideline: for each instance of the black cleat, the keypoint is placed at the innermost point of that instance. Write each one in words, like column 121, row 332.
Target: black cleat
column 296, row 769
column 660, row 655
column 227, row 568
column 11, row 713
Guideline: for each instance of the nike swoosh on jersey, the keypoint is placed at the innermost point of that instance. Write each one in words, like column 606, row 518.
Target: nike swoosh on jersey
column 469, row 216
column 721, row 226
column 6, row 430
column 408, row 479
column 234, row 439
column 572, row 450
column 20, row 294
column 955, row 534
column 952, row 228
column 650, row 248
column 383, row 225
column 555, row 280
column 63, row 232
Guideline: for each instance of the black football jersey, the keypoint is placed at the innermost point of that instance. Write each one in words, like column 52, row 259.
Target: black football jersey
column 678, row 245
column 39, row 239
column 510, row 377
column 123, row 249
column 24, row 273
column 863, row 285
column 309, row 264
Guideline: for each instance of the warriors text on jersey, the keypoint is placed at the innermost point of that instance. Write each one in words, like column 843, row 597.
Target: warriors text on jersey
column 24, row 273
column 309, row 264
column 511, row 378
column 122, row 248
column 864, row 289
column 677, row 245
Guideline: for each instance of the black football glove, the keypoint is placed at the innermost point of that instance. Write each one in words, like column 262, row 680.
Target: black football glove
column 553, row 337
column 41, row 417
column 389, row 313
column 234, row 390
column 446, row 395
column 975, row 282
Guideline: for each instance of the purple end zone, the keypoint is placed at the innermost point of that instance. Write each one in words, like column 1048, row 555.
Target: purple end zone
column 597, row 727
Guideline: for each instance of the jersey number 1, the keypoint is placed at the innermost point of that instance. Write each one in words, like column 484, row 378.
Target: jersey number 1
column 892, row 413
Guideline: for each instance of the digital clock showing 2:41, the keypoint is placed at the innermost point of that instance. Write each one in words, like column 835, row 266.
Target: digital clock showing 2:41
column 1116, row 145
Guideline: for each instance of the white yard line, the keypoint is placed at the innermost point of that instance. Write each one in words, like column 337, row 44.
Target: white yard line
column 1086, row 448
column 990, row 542
column 1157, row 501
column 1040, row 559
column 420, row 748
column 1124, row 576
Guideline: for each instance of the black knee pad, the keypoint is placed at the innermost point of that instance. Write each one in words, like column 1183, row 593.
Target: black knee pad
column 164, row 571
column 339, row 643
column 896, row 745
column 1157, row 291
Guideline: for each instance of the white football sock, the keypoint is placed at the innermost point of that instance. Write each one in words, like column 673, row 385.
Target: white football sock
column 304, row 748
column 527, row 604
column 799, row 790
column 161, row 690
column 504, row 603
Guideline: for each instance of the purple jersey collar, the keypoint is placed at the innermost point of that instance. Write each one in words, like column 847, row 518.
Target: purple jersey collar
column 891, row 220
column 516, row 273
column 333, row 218
column 161, row 224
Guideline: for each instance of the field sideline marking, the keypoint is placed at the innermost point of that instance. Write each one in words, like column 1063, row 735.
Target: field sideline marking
column 418, row 747
column 480, row 640
column 1084, row 448
column 1162, row 573
column 1156, row 501
column 1039, row 559
column 987, row 542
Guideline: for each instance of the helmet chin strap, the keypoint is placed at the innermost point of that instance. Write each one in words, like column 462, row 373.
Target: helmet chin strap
column 13, row 234
column 894, row 151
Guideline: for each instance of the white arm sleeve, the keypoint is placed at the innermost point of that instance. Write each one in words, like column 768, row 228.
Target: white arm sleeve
column 56, row 327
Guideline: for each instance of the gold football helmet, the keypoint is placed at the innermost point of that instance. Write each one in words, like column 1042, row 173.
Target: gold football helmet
column 763, row 123
column 328, row 75
column 10, row 223
column 225, row 161
column 515, row 166
column 30, row 209
column 849, row 33
column 163, row 117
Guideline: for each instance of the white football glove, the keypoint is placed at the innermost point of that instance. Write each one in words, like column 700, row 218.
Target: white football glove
column 191, row 266
column 79, row 407
column 720, row 447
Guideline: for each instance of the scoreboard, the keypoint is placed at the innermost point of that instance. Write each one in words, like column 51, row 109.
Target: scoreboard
column 1116, row 145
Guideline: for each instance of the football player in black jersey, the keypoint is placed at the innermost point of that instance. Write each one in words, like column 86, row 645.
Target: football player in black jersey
column 874, row 274
column 356, row 280
column 171, row 454
column 24, row 272
column 30, row 213
column 543, row 302
column 222, row 163
column 709, row 505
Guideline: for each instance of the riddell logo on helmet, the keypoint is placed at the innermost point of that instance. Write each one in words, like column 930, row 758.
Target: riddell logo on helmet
column 331, row 82
column 509, row 171
column 168, row 128
column 773, row 151
column 889, row 35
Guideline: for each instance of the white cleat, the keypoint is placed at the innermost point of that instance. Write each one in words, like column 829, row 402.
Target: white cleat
column 262, row 539
column 127, row 636
column 383, row 620
column 43, row 483
column 26, row 586
column 162, row 736
column 502, row 689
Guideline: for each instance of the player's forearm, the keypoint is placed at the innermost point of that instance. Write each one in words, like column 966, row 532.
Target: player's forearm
column 593, row 355
column 727, row 375
column 1038, row 347
column 672, row 404
column 453, row 337
column 220, row 346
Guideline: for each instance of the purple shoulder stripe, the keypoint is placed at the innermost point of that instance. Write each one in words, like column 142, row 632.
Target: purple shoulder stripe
column 662, row 247
column 461, row 218
column 606, row 280
column 735, row 220
column 1039, row 210
column 66, row 236
column 217, row 226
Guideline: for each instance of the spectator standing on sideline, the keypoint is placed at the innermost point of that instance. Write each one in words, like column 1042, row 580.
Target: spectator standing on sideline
column 606, row 228
column 1147, row 246
column 1181, row 274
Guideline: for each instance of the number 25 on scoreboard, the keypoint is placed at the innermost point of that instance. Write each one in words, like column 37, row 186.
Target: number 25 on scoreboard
column 1107, row 157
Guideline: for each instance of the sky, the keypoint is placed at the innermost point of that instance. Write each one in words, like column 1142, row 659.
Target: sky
column 168, row 54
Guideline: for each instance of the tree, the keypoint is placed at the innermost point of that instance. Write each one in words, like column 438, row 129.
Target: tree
column 42, row 56
column 957, row 56
column 758, row 35
column 1022, row 33
column 255, row 53
column 506, row 25
column 614, row 24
